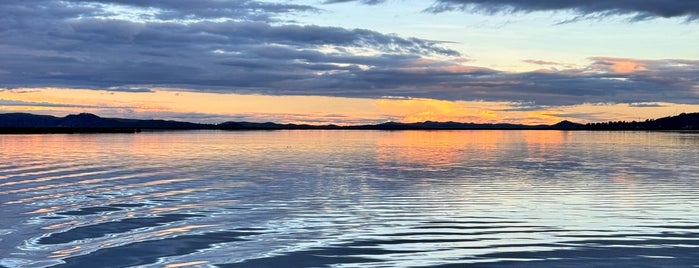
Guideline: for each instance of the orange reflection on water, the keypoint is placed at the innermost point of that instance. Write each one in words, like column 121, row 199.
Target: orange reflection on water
column 437, row 148
column 60, row 225
column 545, row 144
column 183, row 229
column 59, row 254
column 43, row 210
column 547, row 137
column 79, row 146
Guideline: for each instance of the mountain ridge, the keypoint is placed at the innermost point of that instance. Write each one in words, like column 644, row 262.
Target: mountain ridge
column 86, row 123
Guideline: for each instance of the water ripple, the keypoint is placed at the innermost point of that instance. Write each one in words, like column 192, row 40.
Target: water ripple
column 114, row 227
column 350, row 199
column 148, row 252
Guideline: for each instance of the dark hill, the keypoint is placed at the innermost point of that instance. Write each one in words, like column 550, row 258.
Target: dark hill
column 19, row 120
column 84, row 122
column 679, row 122
column 269, row 126
column 682, row 121
column 566, row 125
column 77, row 123
column 432, row 125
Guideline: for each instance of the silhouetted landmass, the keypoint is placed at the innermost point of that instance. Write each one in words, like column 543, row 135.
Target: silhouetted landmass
column 683, row 121
column 431, row 125
column 566, row 125
column 86, row 123
column 428, row 125
column 22, row 123
column 270, row 126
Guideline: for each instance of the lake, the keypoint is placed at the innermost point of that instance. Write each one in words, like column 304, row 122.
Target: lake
column 350, row 199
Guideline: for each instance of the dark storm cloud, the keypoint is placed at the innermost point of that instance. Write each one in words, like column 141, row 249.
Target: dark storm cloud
column 638, row 8
column 180, row 44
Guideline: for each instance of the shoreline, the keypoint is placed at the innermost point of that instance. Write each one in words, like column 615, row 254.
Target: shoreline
column 31, row 131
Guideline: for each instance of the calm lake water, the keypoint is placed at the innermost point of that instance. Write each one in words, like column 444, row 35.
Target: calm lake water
column 350, row 199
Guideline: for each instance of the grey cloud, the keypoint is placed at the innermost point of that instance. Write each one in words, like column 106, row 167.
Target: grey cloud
column 524, row 107
column 589, row 117
column 639, row 9
column 541, row 62
column 134, row 89
column 645, row 104
column 4, row 102
column 663, row 80
column 366, row 2
column 202, row 9
column 79, row 47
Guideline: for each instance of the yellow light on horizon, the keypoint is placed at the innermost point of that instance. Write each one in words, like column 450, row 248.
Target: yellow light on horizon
column 179, row 104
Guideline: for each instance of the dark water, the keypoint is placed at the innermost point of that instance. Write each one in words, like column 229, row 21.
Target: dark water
column 350, row 199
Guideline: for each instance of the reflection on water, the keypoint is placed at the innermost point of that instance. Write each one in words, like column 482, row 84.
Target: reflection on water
column 350, row 199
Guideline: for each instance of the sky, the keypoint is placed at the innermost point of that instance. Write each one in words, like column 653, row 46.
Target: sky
column 351, row 62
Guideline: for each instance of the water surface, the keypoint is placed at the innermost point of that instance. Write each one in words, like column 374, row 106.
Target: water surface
column 350, row 199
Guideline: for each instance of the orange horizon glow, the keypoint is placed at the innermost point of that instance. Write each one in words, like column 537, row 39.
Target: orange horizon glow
column 175, row 104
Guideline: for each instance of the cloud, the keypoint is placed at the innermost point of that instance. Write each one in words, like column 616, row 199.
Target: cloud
column 524, row 107
column 586, row 117
column 640, row 10
column 188, row 10
column 366, row 2
column 246, row 47
column 646, row 104
column 15, row 103
column 130, row 89
column 85, row 44
column 541, row 62
column 619, row 65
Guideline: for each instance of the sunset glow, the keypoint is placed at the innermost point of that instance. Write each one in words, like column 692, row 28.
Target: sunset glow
column 216, row 108
column 311, row 62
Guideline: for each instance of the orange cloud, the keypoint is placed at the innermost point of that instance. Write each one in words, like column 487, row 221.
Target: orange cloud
column 619, row 65
column 542, row 117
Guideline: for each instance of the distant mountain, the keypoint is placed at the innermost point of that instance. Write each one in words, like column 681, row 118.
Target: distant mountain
column 84, row 122
column 269, row 126
column 21, row 120
column 566, row 125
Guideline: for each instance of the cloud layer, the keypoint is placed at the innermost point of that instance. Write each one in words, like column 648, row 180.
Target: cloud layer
column 639, row 9
column 253, row 47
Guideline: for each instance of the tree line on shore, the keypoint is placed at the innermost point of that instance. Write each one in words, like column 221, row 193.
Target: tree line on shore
column 85, row 123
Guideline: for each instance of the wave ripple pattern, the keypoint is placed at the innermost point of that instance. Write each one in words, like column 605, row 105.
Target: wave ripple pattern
column 350, row 199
